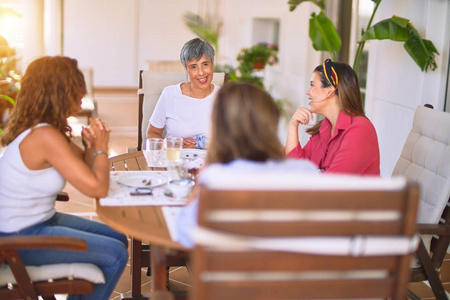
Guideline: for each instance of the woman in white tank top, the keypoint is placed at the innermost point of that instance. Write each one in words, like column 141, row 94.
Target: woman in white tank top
column 40, row 157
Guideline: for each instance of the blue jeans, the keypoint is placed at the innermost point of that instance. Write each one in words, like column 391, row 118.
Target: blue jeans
column 106, row 248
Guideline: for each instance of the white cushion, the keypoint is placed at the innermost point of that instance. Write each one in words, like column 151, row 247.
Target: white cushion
column 342, row 246
column 425, row 159
column 227, row 179
column 89, row 272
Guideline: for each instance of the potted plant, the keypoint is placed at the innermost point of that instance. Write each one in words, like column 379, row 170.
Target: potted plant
column 258, row 56
column 9, row 87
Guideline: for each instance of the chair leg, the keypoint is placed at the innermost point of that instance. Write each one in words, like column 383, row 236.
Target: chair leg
column 431, row 273
column 136, row 247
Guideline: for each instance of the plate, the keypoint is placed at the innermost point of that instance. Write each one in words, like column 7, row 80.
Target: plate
column 144, row 180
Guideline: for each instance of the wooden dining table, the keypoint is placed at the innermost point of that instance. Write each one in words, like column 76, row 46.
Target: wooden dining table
column 143, row 224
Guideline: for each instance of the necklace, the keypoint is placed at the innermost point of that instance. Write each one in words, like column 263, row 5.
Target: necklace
column 190, row 90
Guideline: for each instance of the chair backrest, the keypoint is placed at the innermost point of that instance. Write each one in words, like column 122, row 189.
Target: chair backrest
column 151, row 84
column 425, row 159
column 134, row 161
column 165, row 65
column 331, row 237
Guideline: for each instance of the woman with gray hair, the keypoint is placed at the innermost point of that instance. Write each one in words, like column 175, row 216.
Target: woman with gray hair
column 184, row 109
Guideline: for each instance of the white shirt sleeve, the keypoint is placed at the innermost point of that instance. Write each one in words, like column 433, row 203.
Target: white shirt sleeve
column 159, row 115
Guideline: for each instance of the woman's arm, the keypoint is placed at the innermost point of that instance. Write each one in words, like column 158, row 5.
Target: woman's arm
column 46, row 147
column 153, row 132
column 301, row 116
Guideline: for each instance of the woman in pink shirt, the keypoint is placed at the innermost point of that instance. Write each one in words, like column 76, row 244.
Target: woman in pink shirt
column 345, row 141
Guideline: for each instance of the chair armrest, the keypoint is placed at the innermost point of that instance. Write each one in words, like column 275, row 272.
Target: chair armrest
column 439, row 229
column 42, row 242
column 62, row 196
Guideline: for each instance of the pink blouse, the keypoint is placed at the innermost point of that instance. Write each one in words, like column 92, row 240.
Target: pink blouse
column 353, row 149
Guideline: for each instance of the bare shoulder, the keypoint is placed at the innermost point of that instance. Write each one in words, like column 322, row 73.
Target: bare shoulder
column 47, row 135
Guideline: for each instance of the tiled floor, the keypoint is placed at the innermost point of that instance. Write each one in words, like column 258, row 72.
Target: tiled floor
column 119, row 111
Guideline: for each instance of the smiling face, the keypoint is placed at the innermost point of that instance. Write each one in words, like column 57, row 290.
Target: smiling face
column 200, row 72
column 318, row 94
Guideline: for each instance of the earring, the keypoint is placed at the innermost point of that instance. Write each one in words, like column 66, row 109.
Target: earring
column 187, row 77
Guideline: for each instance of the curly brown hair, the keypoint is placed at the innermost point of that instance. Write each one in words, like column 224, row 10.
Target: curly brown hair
column 244, row 125
column 50, row 89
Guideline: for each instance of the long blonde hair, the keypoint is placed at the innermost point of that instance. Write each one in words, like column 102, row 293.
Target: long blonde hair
column 244, row 125
column 49, row 90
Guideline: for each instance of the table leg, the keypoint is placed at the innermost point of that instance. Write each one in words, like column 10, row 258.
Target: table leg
column 136, row 273
column 159, row 268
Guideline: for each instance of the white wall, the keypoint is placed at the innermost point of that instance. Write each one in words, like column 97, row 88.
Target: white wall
column 103, row 34
column 396, row 85
column 117, row 37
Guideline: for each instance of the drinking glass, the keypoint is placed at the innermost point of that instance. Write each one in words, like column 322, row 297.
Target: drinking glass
column 154, row 153
column 173, row 150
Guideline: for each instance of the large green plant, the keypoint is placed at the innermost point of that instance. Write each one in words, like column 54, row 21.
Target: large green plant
column 326, row 38
column 207, row 29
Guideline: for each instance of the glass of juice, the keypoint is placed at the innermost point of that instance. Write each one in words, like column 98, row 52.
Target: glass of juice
column 173, row 150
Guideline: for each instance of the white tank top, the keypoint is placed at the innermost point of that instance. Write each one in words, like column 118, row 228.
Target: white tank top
column 27, row 197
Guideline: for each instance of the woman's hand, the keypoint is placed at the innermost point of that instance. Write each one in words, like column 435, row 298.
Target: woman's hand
column 301, row 116
column 189, row 143
column 96, row 136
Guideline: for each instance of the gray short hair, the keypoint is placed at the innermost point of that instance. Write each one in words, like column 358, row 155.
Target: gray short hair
column 195, row 49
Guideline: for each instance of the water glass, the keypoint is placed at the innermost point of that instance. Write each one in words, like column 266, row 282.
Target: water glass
column 155, row 152
column 173, row 150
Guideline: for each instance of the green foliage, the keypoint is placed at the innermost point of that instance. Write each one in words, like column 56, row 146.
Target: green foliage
column 294, row 3
column 422, row 51
column 261, row 53
column 324, row 35
column 207, row 29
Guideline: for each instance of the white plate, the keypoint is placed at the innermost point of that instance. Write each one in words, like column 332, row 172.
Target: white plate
column 140, row 181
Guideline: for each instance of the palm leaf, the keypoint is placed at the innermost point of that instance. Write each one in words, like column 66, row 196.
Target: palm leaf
column 400, row 29
column 294, row 3
column 323, row 34
column 392, row 29
column 208, row 31
column 422, row 51
column 9, row 99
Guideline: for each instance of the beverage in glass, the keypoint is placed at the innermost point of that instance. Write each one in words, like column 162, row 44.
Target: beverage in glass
column 154, row 153
column 174, row 146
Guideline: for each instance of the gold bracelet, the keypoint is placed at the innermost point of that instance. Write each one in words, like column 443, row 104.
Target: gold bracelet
column 99, row 152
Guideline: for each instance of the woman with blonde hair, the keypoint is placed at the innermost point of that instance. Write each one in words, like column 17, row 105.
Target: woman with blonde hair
column 40, row 157
column 345, row 141
column 243, row 139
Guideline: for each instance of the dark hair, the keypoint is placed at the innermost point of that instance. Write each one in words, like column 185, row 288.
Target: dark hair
column 244, row 125
column 347, row 90
column 195, row 49
column 50, row 88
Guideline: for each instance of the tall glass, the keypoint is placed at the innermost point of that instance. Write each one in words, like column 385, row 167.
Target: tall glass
column 154, row 153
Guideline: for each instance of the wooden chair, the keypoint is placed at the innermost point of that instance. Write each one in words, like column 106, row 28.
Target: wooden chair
column 302, row 238
column 140, row 253
column 151, row 84
column 425, row 159
column 45, row 281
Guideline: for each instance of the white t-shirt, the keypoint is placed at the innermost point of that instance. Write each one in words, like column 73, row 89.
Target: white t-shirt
column 27, row 197
column 188, row 216
column 183, row 116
